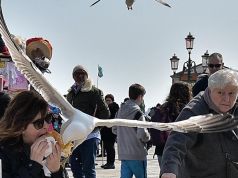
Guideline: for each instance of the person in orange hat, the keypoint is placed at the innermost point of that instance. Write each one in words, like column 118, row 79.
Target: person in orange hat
column 39, row 51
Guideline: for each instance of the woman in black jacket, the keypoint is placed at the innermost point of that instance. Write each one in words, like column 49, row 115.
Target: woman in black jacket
column 108, row 137
column 23, row 146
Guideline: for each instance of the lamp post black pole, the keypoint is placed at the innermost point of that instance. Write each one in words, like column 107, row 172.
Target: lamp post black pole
column 189, row 45
column 189, row 67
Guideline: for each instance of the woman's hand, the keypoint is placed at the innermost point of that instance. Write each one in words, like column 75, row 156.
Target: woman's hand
column 168, row 175
column 38, row 149
column 53, row 160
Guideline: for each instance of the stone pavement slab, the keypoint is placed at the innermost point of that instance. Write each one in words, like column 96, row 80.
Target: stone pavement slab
column 152, row 167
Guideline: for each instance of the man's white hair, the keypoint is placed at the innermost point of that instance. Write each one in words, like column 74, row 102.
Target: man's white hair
column 222, row 78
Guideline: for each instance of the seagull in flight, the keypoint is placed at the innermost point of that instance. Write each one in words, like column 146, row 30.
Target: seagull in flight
column 129, row 3
column 94, row 3
column 164, row 3
column 79, row 125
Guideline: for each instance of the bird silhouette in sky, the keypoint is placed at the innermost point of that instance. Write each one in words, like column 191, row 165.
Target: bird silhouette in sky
column 79, row 125
column 129, row 3
column 163, row 2
column 94, row 3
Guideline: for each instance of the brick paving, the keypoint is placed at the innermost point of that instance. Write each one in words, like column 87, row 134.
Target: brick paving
column 152, row 167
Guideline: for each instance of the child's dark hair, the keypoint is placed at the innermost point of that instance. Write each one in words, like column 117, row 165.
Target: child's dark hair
column 110, row 96
column 136, row 90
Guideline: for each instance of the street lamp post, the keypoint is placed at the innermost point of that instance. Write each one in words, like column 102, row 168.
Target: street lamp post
column 189, row 45
column 204, row 61
column 174, row 63
column 189, row 64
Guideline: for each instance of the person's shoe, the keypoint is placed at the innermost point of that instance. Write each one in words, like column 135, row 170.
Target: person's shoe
column 109, row 166
column 103, row 165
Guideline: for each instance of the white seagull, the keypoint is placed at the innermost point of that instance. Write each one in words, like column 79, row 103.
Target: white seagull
column 129, row 3
column 79, row 125
column 164, row 3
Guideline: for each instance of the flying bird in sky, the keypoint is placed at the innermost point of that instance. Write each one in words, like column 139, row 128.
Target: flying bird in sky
column 79, row 125
column 129, row 3
column 94, row 3
column 164, row 3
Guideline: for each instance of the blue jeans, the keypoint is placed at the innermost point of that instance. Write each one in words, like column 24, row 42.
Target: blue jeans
column 134, row 167
column 83, row 159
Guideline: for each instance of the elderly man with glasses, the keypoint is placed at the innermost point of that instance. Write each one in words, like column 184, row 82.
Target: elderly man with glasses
column 215, row 63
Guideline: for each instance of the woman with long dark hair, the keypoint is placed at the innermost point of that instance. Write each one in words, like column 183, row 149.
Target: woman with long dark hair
column 179, row 96
column 23, row 132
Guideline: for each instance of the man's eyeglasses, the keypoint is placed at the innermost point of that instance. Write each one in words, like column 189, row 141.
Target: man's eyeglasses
column 39, row 123
column 214, row 65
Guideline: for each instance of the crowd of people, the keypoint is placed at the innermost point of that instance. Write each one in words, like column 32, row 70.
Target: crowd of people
column 25, row 123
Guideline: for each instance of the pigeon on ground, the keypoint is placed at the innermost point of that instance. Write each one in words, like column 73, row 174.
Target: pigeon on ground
column 79, row 125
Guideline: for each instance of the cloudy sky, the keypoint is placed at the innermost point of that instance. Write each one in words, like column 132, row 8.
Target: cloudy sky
column 131, row 46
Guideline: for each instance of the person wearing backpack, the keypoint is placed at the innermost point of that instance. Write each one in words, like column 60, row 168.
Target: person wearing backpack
column 131, row 142
column 179, row 96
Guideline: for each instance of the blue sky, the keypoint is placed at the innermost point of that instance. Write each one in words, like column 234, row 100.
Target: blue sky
column 131, row 46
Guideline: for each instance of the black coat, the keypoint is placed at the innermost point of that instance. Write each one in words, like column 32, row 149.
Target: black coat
column 4, row 100
column 106, row 133
column 197, row 155
column 200, row 85
column 16, row 163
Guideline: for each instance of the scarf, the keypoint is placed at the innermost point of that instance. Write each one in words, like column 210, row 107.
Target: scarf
column 211, row 105
column 77, row 87
column 208, row 100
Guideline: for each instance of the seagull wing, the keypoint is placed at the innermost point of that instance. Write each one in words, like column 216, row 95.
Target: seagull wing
column 202, row 124
column 164, row 3
column 32, row 73
column 94, row 3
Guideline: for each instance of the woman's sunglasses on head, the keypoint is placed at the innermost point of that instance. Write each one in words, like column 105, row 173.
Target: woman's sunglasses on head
column 39, row 123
